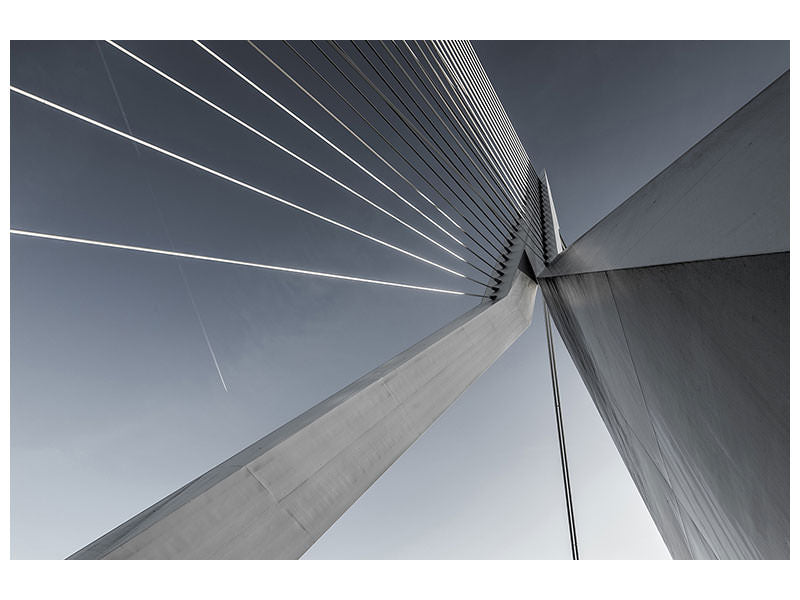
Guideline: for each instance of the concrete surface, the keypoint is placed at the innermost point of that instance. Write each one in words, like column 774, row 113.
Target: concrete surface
column 726, row 196
column 688, row 366
column 278, row 496
column 675, row 309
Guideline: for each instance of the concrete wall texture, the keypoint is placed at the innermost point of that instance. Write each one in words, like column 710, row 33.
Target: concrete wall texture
column 675, row 309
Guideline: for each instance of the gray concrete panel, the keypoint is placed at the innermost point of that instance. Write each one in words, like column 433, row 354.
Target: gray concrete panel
column 661, row 501
column 276, row 497
column 604, row 358
column 675, row 309
column 586, row 315
column 726, row 196
column 710, row 342
column 688, row 366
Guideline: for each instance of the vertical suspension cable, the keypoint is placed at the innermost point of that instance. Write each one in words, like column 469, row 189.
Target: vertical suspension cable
column 562, row 445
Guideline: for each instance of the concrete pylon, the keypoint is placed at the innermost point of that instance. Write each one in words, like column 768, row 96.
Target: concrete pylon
column 275, row 498
column 675, row 310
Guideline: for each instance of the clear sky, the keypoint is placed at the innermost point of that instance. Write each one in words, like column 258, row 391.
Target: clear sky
column 115, row 398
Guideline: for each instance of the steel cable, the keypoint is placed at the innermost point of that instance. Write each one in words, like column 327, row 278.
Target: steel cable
column 228, row 261
column 234, row 180
column 378, row 155
column 498, row 214
column 414, row 150
column 562, row 445
column 419, row 139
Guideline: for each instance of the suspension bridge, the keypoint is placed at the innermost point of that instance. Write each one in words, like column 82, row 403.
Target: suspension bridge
column 701, row 419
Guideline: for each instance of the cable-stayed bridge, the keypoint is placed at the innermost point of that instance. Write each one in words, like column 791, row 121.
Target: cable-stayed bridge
column 484, row 220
